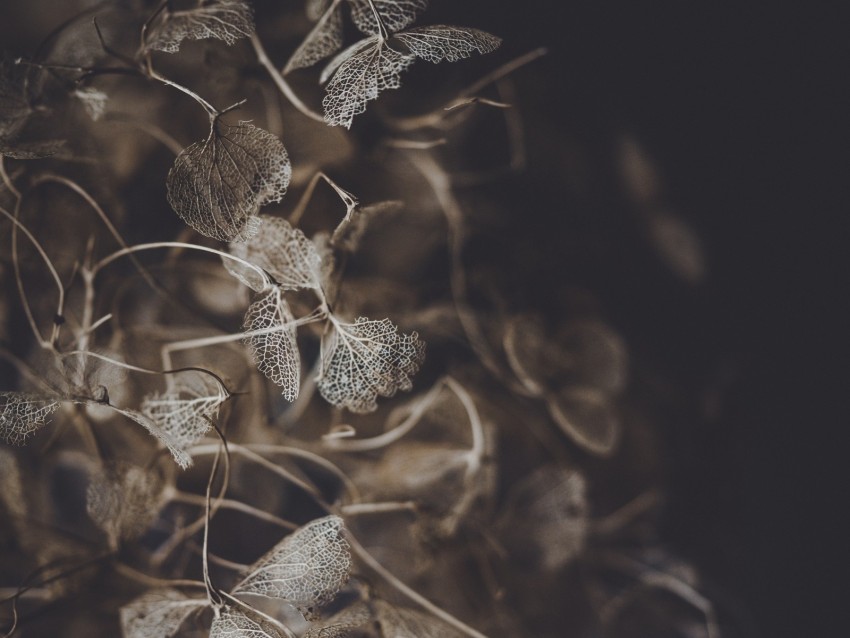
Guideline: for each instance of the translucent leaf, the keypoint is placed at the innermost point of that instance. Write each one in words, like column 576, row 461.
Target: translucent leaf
column 677, row 244
column 182, row 414
column 545, row 521
column 217, row 186
column 232, row 622
column 23, row 414
column 93, row 101
column 174, row 443
column 360, row 73
column 276, row 352
column 324, row 40
column 158, row 613
column 395, row 14
column 342, row 624
column 228, row 20
column 11, row 486
column 123, row 500
column 586, row 415
column 364, row 359
column 306, row 568
column 403, row 622
column 440, row 42
column 284, row 252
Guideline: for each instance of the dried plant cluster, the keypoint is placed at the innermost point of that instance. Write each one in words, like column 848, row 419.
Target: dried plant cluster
column 220, row 416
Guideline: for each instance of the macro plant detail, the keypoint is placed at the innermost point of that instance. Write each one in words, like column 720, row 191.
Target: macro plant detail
column 224, row 267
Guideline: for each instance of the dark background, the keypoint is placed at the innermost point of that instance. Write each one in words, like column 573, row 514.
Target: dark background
column 735, row 105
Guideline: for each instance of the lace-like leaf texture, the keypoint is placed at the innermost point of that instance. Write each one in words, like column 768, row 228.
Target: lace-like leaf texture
column 402, row 622
column 181, row 414
column 275, row 351
column 227, row 20
column 293, row 261
column 23, row 414
column 395, row 14
column 307, row 568
column 372, row 65
column 342, row 624
column 367, row 358
column 218, row 185
column 232, row 622
column 158, row 613
column 324, row 40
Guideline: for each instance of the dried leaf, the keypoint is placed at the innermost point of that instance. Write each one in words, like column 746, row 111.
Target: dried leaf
column 12, row 496
column 315, row 8
column 93, row 101
column 324, row 40
column 183, row 413
column 586, row 415
column 395, row 14
column 342, row 624
column 275, row 353
column 284, row 252
column 364, row 359
column 360, row 73
column 158, row 613
column 232, row 622
column 441, row 42
column 217, row 186
column 23, row 414
column 306, row 568
column 227, row 20
column 545, row 521
column 28, row 150
column 174, row 443
column 403, row 622
column 15, row 108
column 123, row 500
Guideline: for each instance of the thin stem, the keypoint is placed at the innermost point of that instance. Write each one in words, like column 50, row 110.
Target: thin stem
column 60, row 287
column 152, row 581
column 212, row 593
column 151, row 129
column 239, row 506
column 282, row 84
column 209, row 108
column 417, row 598
column 359, row 509
column 390, row 436
column 478, row 442
column 7, row 180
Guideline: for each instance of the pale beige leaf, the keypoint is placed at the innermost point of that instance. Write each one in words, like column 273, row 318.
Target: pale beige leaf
column 227, row 20
column 364, row 359
column 360, row 73
column 23, row 414
column 395, row 14
column 342, row 624
column 307, row 568
column 403, row 622
column 158, row 613
column 232, row 622
column 282, row 251
column 275, row 351
column 217, row 186
column 441, row 42
column 93, row 101
column 176, row 446
column 323, row 41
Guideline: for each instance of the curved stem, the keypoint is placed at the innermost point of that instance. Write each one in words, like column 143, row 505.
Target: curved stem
column 478, row 442
column 282, row 84
column 152, row 581
column 209, row 108
column 413, row 595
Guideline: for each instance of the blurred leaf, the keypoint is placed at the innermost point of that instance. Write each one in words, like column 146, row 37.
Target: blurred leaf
column 364, row 359
column 306, row 568
column 587, row 416
column 217, row 186
column 403, row 622
column 343, row 624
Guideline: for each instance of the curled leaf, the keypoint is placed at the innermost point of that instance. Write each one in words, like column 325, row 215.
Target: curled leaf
column 364, row 359
column 441, row 42
column 306, row 568
column 182, row 414
column 284, row 252
column 227, row 20
column 587, row 416
column 342, row 624
column 123, row 500
column 275, row 352
column 395, row 14
column 93, row 101
column 23, row 414
column 158, row 613
column 217, row 186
